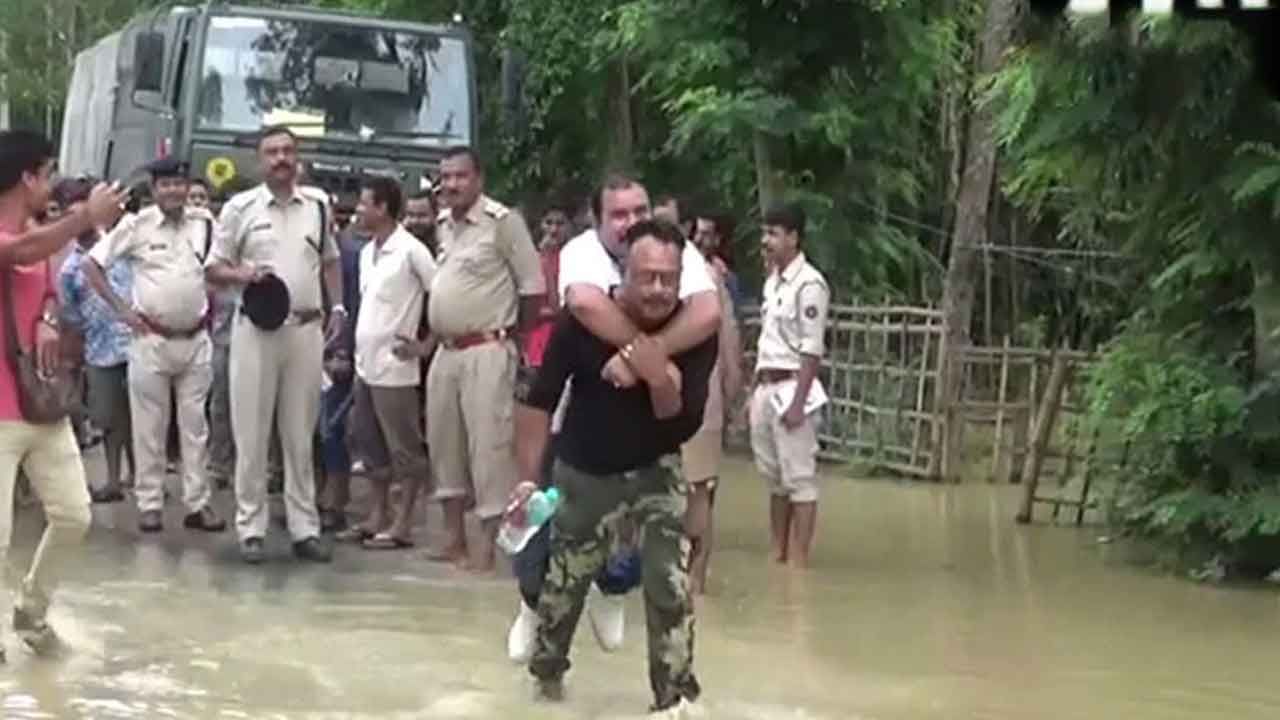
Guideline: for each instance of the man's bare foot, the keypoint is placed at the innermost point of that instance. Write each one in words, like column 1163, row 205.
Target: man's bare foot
column 452, row 555
column 780, row 557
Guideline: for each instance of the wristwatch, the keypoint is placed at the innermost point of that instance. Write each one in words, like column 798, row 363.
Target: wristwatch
column 339, row 309
column 50, row 320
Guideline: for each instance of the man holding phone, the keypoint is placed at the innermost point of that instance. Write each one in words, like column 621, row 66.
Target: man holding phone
column 396, row 271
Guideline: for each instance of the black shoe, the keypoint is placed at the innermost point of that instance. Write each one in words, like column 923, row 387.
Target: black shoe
column 550, row 690
column 36, row 633
column 151, row 521
column 333, row 521
column 313, row 549
column 106, row 495
column 251, row 551
column 206, row 519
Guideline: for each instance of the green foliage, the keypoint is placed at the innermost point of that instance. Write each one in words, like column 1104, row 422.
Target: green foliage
column 1153, row 142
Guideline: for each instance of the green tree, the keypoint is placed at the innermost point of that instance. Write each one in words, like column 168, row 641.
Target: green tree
column 1154, row 140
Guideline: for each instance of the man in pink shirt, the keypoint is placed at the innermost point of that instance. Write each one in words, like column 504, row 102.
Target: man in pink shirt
column 47, row 454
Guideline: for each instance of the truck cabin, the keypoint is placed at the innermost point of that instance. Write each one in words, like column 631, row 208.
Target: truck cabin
column 368, row 97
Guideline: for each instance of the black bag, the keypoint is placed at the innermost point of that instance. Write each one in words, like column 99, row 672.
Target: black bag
column 42, row 400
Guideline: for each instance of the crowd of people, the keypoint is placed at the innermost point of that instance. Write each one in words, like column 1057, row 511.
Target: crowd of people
column 426, row 343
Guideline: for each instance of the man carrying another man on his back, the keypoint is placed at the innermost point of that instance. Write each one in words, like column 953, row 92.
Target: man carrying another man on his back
column 617, row 456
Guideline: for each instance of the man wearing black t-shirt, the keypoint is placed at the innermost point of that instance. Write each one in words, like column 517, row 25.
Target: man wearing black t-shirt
column 618, row 454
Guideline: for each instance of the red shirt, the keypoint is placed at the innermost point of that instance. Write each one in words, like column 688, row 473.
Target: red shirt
column 31, row 285
column 536, row 342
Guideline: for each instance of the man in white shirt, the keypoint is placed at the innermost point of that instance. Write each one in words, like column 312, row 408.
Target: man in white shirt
column 396, row 271
column 590, row 268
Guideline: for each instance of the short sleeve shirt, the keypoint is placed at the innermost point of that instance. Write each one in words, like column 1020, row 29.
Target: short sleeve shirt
column 793, row 316
column 290, row 237
column 585, row 261
column 31, row 285
column 167, row 258
column 394, row 283
column 106, row 336
column 487, row 262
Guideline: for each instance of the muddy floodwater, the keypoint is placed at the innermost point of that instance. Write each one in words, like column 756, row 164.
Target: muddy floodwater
column 925, row 602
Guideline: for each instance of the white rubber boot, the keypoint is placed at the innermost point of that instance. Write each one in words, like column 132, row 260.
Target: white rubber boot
column 607, row 618
column 524, row 631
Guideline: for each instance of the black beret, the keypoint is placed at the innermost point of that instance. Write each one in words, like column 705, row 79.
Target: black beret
column 166, row 167
column 266, row 302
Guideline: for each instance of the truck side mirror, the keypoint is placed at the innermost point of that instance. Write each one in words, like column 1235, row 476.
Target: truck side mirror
column 148, row 62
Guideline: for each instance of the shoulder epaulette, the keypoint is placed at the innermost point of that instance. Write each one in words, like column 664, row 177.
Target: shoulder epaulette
column 242, row 200
column 495, row 209
column 312, row 192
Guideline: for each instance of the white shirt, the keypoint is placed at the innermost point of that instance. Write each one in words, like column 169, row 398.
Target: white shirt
column 793, row 317
column 394, row 282
column 585, row 261
column 168, row 263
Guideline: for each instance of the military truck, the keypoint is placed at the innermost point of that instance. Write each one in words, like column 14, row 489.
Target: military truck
column 368, row 97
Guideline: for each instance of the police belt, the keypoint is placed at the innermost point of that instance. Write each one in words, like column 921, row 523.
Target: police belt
column 177, row 333
column 770, row 376
column 299, row 317
column 469, row 340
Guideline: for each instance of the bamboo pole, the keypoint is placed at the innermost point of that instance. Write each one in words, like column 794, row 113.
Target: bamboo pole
column 938, row 460
column 921, row 380
column 884, row 389
column 1090, row 459
column 904, row 384
column 1040, row 436
column 1002, row 396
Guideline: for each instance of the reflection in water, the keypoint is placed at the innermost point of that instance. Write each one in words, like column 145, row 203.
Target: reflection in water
column 925, row 602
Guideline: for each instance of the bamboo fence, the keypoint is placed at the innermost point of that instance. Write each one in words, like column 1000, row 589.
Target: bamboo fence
column 882, row 370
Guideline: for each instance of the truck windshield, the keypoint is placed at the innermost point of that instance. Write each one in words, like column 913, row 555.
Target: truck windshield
column 335, row 81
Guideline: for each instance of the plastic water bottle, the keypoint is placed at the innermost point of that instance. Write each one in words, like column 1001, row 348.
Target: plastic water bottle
column 524, row 523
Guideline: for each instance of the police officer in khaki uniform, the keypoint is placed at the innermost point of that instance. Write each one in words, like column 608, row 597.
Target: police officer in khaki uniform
column 171, row 351
column 487, row 290
column 784, row 430
column 278, row 228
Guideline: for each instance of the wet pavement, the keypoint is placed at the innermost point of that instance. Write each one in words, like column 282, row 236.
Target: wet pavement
column 925, row 602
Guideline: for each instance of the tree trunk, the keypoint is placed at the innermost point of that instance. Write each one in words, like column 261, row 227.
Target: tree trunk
column 1266, row 322
column 4, row 81
column 768, row 184
column 621, row 147
column 971, row 214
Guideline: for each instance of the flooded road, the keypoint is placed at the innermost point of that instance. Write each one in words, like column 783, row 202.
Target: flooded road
column 925, row 602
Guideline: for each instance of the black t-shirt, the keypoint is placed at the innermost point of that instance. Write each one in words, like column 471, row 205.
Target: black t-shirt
column 606, row 429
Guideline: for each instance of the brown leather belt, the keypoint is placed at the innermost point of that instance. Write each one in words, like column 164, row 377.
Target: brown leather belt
column 306, row 317
column 462, row 342
column 300, row 317
column 169, row 333
column 769, row 376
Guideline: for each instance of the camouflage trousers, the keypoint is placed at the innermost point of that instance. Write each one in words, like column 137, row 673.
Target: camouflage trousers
column 654, row 498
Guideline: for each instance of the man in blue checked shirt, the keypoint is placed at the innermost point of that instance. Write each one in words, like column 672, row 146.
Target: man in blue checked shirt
column 106, row 345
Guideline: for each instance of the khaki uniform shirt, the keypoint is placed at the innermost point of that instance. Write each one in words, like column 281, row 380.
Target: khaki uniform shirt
column 256, row 229
column 394, row 282
column 487, row 263
column 793, row 318
column 168, row 263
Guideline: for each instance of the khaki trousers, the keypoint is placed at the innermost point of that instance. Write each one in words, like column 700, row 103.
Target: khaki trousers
column 275, row 373
column 470, row 401
column 49, row 457
column 159, row 368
